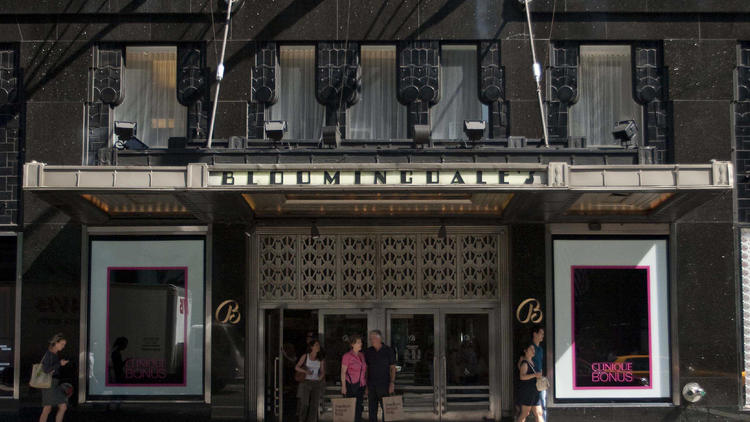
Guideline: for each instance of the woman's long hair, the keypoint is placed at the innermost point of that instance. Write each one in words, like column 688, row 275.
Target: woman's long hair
column 321, row 354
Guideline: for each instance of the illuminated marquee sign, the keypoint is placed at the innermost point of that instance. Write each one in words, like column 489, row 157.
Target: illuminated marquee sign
column 489, row 177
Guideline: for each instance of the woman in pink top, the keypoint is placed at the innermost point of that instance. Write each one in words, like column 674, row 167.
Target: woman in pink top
column 354, row 374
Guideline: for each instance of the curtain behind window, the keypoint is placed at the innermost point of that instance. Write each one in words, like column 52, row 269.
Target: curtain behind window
column 459, row 95
column 604, row 94
column 297, row 104
column 378, row 114
column 150, row 88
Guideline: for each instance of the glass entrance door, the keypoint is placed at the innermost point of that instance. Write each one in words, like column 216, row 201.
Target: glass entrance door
column 443, row 361
column 413, row 336
column 465, row 385
column 273, row 364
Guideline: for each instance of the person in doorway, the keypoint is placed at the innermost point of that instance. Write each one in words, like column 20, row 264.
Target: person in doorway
column 309, row 338
column 529, row 396
column 55, row 395
column 381, row 373
column 354, row 374
column 314, row 367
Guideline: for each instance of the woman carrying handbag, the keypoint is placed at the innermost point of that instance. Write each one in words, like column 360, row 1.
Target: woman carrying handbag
column 529, row 396
column 354, row 375
column 50, row 366
column 312, row 367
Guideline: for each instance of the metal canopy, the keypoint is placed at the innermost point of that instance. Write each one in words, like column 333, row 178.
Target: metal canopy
column 554, row 192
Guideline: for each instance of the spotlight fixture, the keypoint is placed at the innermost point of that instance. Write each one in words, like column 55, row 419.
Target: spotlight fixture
column 331, row 136
column 275, row 129
column 443, row 232
column 125, row 133
column 422, row 134
column 314, row 232
column 625, row 131
column 474, row 129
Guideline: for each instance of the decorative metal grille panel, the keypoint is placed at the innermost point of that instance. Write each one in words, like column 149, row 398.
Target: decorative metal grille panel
column 358, row 267
column 438, row 267
column 318, row 267
column 399, row 266
column 278, row 269
column 369, row 266
column 479, row 266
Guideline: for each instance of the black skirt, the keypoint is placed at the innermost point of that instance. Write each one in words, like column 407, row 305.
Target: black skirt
column 528, row 395
column 54, row 396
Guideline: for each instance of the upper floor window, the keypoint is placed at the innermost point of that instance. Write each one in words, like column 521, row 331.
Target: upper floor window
column 459, row 89
column 377, row 114
column 297, row 104
column 149, row 80
column 605, row 94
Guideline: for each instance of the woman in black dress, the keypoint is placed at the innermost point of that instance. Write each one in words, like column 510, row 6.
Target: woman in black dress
column 54, row 396
column 529, row 397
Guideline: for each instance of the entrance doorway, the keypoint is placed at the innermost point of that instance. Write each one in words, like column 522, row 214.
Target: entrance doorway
column 443, row 362
column 445, row 359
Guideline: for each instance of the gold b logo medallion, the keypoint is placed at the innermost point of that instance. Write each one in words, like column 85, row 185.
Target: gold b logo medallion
column 228, row 311
column 530, row 310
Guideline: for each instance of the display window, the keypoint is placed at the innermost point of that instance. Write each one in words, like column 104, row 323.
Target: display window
column 611, row 320
column 7, row 315
column 146, row 316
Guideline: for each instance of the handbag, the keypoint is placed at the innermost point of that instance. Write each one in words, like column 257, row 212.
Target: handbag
column 299, row 376
column 542, row 383
column 39, row 378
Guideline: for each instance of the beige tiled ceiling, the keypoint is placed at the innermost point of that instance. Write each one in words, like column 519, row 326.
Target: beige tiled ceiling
column 618, row 203
column 378, row 204
column 136, row 204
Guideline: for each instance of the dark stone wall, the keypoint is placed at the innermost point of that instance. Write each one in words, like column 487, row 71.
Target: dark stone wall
column 56, row 40
column 528, row 281
column 229, row 282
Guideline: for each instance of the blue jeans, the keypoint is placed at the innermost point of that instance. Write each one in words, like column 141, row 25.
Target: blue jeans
column 543, row 402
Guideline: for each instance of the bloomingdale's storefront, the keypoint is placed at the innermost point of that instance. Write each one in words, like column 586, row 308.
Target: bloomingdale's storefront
column 448, row 260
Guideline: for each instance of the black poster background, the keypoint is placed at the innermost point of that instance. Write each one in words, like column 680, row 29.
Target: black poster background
column 611, row 325
column 156, row 359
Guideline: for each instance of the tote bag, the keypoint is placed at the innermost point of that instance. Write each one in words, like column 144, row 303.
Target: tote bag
column 343, row 409
column 393, row 408
column 39, row 378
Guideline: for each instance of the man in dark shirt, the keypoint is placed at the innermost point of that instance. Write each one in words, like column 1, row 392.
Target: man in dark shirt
column 381, row 373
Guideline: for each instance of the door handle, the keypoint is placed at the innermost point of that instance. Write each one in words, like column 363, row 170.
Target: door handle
column 436, row 385
column 276, row 400
column 444, row 384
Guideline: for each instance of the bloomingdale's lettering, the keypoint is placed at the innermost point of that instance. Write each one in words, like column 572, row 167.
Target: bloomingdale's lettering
column 382, row 177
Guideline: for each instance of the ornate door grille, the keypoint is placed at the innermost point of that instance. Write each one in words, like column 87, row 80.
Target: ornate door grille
column 370, row 266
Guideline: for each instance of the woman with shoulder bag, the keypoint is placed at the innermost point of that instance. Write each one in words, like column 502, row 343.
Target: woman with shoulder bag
column 313, row 367
column 354, row 374
column 54, row 395
column 529, row 396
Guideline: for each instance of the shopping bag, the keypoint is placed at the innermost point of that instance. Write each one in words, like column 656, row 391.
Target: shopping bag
column 393, row 408
column 343, row 409
column 39, row 378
